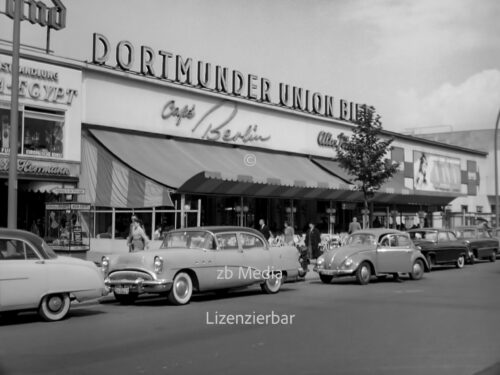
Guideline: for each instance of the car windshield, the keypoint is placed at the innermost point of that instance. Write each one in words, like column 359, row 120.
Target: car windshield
column 47, row 252
column 188, row 240
column 429, row 235
column 361, row 239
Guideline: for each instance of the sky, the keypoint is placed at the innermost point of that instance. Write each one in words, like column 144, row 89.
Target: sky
column 425, row 65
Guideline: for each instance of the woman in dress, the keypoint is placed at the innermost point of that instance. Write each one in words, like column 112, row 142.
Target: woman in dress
column 137, row 239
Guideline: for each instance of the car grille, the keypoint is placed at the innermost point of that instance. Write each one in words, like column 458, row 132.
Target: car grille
column 130, row 275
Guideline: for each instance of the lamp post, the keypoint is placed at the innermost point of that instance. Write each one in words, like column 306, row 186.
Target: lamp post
column 13, row 133
column 497, row 209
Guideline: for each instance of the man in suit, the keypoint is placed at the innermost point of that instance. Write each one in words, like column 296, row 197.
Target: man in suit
column 313, row 239
column 264, row 229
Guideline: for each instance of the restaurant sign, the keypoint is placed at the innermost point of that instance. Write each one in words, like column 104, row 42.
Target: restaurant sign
column 40, row 167
column 170, row 67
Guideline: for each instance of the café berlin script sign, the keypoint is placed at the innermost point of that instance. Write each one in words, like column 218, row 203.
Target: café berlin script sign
column 165, row 65
column 213, row 125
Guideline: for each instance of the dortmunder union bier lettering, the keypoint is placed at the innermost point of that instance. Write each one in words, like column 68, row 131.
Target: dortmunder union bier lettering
column 168, row 66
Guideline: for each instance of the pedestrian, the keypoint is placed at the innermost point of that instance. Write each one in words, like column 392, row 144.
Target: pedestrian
column 313, row 238
column 137, row 239
column 157, row 234
column 289, row 234
column 354, row 225
column 264, row 229
column 34, row 228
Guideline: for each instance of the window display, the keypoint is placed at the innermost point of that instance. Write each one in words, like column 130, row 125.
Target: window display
column 41, row 133
column 66, row 226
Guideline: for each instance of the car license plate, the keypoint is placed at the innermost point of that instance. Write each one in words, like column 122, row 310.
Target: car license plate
column 121, row 290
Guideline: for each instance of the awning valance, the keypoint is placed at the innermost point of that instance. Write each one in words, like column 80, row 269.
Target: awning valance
column 108, row 182
column 197, row 167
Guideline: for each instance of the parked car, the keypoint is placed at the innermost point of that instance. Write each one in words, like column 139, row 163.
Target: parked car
column 482, row 244
column 33, row 277
column 372, row 252
column 441, row 246
column 201, row 259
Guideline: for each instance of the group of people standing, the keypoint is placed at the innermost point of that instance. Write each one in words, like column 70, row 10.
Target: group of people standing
column 312, row 237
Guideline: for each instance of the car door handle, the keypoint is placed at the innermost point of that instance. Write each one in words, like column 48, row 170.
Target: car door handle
column 40, row 262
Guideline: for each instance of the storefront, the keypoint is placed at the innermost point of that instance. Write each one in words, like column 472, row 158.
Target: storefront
column 49, row 138
column 183, row 147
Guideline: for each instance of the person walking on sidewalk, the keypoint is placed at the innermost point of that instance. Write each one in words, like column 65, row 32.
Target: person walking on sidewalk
column 313, row 238
column 137, row 239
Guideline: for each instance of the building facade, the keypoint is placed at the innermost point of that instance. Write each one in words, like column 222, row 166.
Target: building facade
column 181, row 143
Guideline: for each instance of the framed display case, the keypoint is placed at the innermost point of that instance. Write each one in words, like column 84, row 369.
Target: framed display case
column 65, row 229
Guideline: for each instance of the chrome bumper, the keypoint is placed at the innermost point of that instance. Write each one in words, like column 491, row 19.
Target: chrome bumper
column 140, row 285
column 323, row 271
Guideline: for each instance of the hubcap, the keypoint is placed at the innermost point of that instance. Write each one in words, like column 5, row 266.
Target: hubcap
column 365, row 273
column 272, row 281
column 461, row 261
column 55, row 303
column 181, row 287
column 417, row 269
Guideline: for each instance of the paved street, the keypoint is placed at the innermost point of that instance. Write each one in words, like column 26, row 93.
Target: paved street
column 446, row 323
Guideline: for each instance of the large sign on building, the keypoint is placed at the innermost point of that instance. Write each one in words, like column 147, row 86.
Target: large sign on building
column 168, row 66
column 436, row 173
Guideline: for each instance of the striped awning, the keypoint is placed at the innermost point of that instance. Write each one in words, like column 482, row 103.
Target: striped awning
column 195, row 167
column 109, row 182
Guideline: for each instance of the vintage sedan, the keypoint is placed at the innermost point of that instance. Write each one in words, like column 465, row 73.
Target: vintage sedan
column 441, row 246
column 480, row 242
column 201, row 259
column 372, row 252
column 33, row 277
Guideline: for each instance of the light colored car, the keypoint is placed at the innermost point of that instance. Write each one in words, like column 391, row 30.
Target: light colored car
column 33, row 277
column 201, row 259
column 373, row 252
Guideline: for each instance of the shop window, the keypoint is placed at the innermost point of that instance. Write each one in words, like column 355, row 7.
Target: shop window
column 40, row 132
column 103, row 225
column 43, row 134
column 5, row 128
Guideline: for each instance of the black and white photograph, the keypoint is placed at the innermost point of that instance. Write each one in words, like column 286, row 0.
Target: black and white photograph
column 249, row 187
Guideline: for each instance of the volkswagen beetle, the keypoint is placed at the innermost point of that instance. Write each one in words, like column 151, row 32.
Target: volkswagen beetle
column 372, row 252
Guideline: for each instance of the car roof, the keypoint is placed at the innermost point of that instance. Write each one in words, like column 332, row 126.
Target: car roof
column 219, row 229
column 379, row 231
column 429, row 229
column 19, row 233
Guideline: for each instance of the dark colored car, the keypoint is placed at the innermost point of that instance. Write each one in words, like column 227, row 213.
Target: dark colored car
column 480, row 241
column 441, row 246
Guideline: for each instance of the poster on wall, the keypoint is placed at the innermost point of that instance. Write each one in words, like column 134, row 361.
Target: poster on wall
column 436, row 173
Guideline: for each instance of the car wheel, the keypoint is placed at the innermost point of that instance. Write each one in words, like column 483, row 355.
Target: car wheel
column 493, row 256
column 470, row 256
column 182, row 289
column 430, row 262
column 417, row 270
column 363, row 273
column 126, row 299
column 327, row 279
column 460, row 261
column 54, row 307
column 272, row 284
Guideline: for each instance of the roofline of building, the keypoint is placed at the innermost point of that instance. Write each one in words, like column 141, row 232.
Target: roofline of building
column 88, row 66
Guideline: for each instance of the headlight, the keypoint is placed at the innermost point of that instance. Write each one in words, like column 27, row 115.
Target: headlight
column 348, row 263
column 158, row 264
column 320, row 260
column 105, row 264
